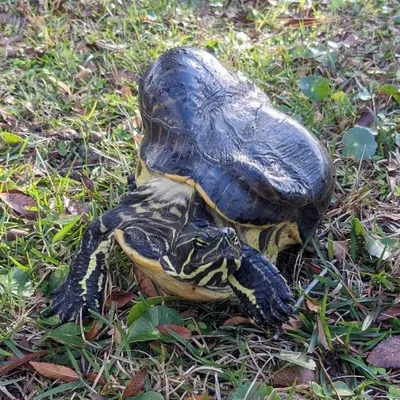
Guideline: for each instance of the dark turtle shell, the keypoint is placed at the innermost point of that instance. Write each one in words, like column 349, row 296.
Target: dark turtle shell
column 254, row 164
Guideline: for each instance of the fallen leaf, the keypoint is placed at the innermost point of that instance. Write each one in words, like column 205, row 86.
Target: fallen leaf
column 391, row 312
column 313, row 306
column 9, row 119
column 238, row 320
column 296, row 22
column 117, row 336
column 121, row 299
column 136, row 384
column 55, row 372
column 76, row 208
column 4, row 369
column 321, row 334
column 366, row 119
column 126, row 92
column 180, row 330
column 20, row 202
column 83, row 74
column 350, row 40
column 341, row 249
column 93, row 331
column 88, row 183
column 189, row 314
column 7, row 41
column 146, row 285
column 96, row 136
column 60, row 84
column 117, row 77
column 199, row 397
column 297, row 358
column 386, row 354
column 92, row 377
column 113, row 47
column 14, row 233
column 285, row 377
column 293, row 324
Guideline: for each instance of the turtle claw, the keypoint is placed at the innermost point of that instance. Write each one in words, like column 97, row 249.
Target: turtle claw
column 262, row 290
column 68, row 302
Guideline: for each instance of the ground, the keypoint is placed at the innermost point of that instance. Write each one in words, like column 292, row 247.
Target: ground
column 68, row 114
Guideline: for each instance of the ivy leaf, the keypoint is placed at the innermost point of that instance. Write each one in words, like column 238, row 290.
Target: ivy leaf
column 259, row 391
column 391, row 90
column 359, row 143
column 322, row 54
column 297, row 358
column 146, row 327
column 342, row 389
column 314, row 87
column 69, row 334
column 11, row 138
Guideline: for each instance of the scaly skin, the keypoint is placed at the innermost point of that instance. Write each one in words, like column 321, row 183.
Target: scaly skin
column 84, row 287
column 174, row 223
column 261, row 289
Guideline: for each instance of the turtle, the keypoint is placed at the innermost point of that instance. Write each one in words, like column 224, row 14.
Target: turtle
column 224, row 182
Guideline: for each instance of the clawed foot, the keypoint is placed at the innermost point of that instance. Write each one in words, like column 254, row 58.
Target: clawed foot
column 262, row 290
column 69, row 301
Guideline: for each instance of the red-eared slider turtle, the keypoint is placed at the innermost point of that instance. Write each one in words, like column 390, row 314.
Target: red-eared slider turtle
column 225, row 182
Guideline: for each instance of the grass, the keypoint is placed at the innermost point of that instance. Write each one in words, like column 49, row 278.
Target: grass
column 68, row 110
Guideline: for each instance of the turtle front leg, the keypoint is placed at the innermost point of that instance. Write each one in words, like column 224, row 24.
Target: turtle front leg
column 261, row 289
column 84, row 287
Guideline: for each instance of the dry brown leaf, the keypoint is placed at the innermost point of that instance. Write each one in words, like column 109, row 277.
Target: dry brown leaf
column 189, row 314
column 88, row 183
column 199, row 397
column 313, row 306
column 386, row 354
column 55, row 372
column 350, row 40
column 126, row 92
column 146, row 285
column 180, row 330
column 121, row 299
column 321, row 334
column 8, row 41
column 5, row 369
column 93, row 331
column 286, row 376
column 113, row 47
column 20, row 202
column 93, row 377
column 14, row 233
column 391, row 312
column 294, row 324
column 76, row 208
column 9, row 119
column 341, row 249
column 136, row 384
column 238, row 320
column 119, row 76
column 366, row 119
column 83, row 74
column 60, row 84
column 117, row 336
column 296, row 22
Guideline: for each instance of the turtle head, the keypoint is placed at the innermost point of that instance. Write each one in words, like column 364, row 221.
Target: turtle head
column 207, row 255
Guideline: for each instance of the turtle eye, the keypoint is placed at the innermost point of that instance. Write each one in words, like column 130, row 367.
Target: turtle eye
column 199, row 243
